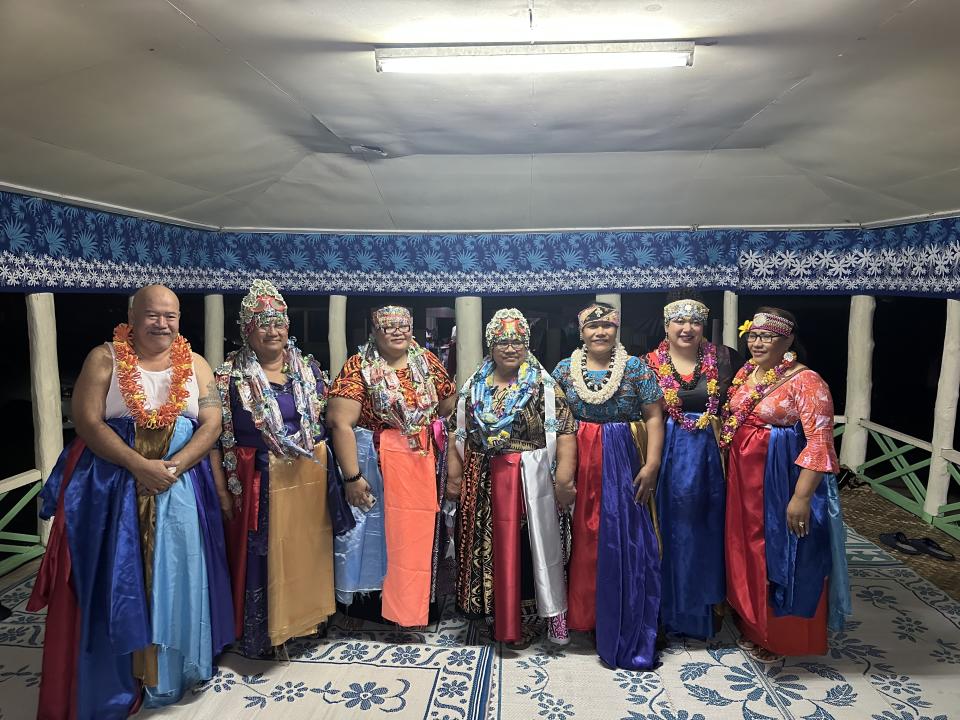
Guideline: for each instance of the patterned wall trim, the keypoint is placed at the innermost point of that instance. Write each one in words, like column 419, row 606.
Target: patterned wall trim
column 51, row 246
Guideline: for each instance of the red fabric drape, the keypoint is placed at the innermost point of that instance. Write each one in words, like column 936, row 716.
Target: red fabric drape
column 235, row 531
column 54, row 591
column 507, row 502
column 582, row 591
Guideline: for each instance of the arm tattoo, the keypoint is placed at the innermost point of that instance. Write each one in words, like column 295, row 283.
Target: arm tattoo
column 212, row 398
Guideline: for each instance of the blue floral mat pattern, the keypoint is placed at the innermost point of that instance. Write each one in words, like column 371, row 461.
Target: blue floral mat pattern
column 899, row 659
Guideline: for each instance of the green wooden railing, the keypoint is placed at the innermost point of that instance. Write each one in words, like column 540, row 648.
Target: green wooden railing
column 19, row 547
column 948, row 517
column 893, row 473
column 893, row 468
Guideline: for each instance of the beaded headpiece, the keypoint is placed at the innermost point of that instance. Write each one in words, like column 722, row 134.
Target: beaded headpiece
column 262, row 305
column 508, row 324
column 694, row 310
column 392, row 315
column 598, row 313
column 771, row 323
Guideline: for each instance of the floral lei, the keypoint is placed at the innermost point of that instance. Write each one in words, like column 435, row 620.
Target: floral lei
column 494, row 424
column 128, row 378
column 671, row 383
column 610, row 384
column 731, row 420
column 259, row 399
column 386, row 392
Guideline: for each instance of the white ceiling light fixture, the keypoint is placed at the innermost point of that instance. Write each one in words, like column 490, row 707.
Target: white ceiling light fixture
column 545, row 57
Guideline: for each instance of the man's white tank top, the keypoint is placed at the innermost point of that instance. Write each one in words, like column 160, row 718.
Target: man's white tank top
column 156, row 388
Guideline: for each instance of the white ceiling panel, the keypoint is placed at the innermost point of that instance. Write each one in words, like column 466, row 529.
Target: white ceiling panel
column 242, row 113
column 33, row 164
column 450, row 191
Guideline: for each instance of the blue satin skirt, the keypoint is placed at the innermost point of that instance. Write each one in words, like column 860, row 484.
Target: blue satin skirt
column 628, row 562
column 691, row 496
column 180, row 602
column 360, row 554
column 103, row 535
column 116, row 616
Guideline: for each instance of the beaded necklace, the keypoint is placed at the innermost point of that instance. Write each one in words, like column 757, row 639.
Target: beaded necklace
column 589, row 390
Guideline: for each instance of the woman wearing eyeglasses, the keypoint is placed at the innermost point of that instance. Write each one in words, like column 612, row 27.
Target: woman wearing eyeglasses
column 786, row 567
column 511, row 429
column 383, row 414
column 615, row 561
column 694, row 375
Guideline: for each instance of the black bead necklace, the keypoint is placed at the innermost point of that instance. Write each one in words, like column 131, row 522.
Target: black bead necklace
column 697, row 370
column 592, row 384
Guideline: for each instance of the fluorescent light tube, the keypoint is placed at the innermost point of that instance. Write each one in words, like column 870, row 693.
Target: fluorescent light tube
column 535, row 58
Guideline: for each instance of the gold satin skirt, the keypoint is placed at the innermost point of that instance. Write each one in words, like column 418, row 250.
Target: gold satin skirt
column 300, row 588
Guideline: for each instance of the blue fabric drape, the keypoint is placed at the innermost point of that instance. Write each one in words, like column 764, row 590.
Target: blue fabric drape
column 215, row 555
column 51, row 246
column 341, row 514
column 797, row 568
column 360, row 555
column 180, row 597
column 691, row 497
column 628, row 561
column 100, row 515
column 180, row 602
column 103, row 533
column 839, row 604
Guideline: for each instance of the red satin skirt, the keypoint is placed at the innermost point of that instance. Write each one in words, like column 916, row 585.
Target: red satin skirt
column 582, row 583
column 236, row 531
column 53, row 590
column 747, row 587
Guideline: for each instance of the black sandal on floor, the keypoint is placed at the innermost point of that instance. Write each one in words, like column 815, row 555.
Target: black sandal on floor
column 899, row 541
column 930, row 547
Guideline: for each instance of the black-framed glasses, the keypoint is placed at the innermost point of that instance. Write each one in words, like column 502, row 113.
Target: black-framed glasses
column 764, row 339
column 515, row 344
column 395, row 329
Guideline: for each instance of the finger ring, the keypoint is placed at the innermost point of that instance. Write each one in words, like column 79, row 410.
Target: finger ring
column 802, row 524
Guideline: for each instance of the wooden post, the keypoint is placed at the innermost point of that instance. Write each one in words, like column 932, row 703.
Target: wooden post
column 469, row 314
column 213, row 329
column 44, row 386
column 337, row 333
column 944, row 412
column 611, row 299
column 730, row 321
column 853, row 452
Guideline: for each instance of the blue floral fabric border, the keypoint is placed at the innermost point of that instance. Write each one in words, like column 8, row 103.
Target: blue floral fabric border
column 52, row 246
